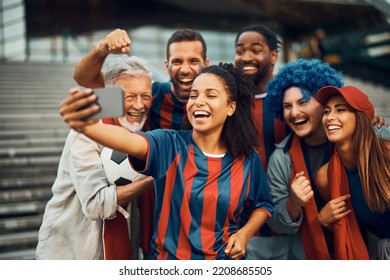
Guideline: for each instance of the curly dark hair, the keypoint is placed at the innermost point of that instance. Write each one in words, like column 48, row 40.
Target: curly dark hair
column 270, row 36
column 308, row 75
column 239, row 131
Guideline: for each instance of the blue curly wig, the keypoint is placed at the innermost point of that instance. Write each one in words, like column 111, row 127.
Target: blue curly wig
column 308, row 75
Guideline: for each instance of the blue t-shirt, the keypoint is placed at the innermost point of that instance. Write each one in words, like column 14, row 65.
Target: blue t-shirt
column 375, row 221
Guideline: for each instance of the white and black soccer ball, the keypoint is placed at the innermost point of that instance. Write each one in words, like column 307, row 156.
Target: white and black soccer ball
column 117, row 167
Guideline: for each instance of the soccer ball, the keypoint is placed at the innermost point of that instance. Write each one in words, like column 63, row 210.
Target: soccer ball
column 117, row 167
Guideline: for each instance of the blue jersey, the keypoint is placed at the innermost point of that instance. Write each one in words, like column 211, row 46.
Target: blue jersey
column 199, row 198
column 167, row 111
column 375, row 221
column 271, row 130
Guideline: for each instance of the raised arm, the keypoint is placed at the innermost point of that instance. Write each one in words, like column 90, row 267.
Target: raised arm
column 238, row 242
column 112, row 136
column 117, row 138
column 88, row 72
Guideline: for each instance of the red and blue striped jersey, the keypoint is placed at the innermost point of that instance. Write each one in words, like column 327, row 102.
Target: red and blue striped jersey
column 271, row 130
column 199, row 198
column 167, row 111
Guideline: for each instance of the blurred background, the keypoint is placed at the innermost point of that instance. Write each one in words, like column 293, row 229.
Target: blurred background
column 42, row 40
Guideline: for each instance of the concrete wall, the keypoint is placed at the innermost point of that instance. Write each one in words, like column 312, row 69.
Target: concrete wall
column 12, row 30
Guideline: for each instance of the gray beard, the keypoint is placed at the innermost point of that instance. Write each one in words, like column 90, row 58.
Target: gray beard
column 131, row 126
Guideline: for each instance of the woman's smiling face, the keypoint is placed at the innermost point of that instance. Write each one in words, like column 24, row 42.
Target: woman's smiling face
column 303, row 116
column 339, row 120
column 209, row 104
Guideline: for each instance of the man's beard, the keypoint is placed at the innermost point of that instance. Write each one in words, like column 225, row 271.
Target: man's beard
column 260, row 75
column 131, row 126
column 179, row 93
column 257, row 78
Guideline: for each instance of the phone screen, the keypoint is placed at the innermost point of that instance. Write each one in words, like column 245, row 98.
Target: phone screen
column 110, row 101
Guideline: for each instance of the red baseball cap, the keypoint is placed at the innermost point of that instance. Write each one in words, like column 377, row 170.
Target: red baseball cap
column 354, row 97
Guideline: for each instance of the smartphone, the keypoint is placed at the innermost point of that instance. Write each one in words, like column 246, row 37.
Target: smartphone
column 111, row 103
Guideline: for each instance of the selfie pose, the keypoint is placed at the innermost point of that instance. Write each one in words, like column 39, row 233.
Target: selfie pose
column 186, row 56
column 205, row 177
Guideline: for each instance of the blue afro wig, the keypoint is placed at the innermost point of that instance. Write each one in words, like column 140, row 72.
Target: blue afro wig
column 308, row 75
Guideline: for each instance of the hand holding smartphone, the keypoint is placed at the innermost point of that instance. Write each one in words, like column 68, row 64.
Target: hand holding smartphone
column 111, row 103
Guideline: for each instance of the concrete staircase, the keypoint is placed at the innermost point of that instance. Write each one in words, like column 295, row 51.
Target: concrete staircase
column 32, row 135
column 378, row 94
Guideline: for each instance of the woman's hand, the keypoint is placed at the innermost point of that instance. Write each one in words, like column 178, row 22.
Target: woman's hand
column 333, row 211
column 71, row 108
column 379, row 122
column 236, row 246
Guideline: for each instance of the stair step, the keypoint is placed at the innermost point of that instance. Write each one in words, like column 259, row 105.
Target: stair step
column 26, row 254
column 29, row 151
column 27, row 96
column 19, row 238
column 28, row 171
column 54, row 87
column 31, row 117
column 36, row 107
column 34, row 133
column 25, row 126
column 22, row 208
column 20, row 223
column 35, row 142
column 28, row 182
column 29, row 162
column 18, row 195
